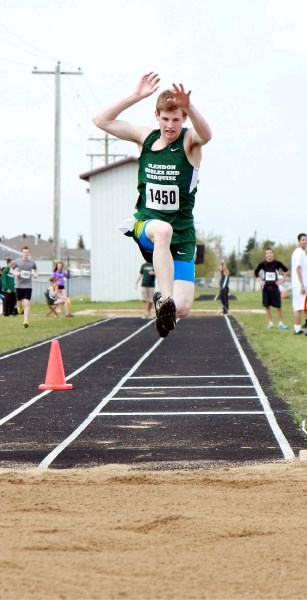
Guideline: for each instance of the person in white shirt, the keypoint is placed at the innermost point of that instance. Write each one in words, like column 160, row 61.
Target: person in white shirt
column 299, row 282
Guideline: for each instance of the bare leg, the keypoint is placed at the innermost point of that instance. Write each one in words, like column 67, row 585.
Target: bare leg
column 183, row 297
column 279, row 313
column 160, row 233
column 26, row 309
column 268, row 314
column 297, row 317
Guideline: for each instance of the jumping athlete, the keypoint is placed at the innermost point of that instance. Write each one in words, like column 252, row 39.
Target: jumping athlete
column 169, row 162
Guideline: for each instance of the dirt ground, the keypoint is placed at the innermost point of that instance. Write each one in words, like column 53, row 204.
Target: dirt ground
column 117, row 533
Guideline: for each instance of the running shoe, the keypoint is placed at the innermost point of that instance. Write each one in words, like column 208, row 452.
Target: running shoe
column 165, row 314
column 160, row 329
column 26, row 324
column 282, row 326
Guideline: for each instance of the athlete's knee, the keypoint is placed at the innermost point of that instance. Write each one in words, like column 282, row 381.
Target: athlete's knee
column 162, row 233
column 183, row 308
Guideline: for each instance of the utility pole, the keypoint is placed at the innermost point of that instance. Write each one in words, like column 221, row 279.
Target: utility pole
column 57, row 153
column 107, row 140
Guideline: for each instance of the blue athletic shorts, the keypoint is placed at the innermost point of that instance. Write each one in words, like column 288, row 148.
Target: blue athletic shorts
column 183, row 270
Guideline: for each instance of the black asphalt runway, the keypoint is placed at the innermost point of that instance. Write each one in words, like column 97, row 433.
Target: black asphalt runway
column 196, row 399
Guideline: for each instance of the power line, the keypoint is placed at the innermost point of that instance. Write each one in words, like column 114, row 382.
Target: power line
column 41, row 53
column 25, row 42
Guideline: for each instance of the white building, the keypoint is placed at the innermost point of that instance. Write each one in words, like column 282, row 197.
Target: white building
column 115, row 258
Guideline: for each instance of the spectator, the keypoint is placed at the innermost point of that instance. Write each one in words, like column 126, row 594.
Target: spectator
column 61, row 276
column 299, row 282
column 1, row 292
column 224, row 287
column 56, row 299
column 270, row 282
column 148, row 277
column 8, row 289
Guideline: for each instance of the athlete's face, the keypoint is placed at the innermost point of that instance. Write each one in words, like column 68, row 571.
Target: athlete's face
column 170, row 122
column 268, row 255
column 25, row 253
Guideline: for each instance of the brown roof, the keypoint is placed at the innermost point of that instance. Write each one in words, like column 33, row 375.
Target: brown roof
column 114, row 165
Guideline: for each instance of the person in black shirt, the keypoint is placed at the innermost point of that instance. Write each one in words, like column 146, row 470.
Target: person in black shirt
column 270, row 283
column 224, row 287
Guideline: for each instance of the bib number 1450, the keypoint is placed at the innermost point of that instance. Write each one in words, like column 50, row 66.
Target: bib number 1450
column 162, row 197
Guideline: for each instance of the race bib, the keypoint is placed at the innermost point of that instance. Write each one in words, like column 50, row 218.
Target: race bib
column 162, row 197
column 25, row 274
column 270, row 276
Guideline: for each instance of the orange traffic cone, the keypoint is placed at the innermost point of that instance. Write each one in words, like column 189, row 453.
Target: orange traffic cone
column 55, row 377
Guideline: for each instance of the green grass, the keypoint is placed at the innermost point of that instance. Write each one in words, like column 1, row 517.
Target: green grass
column 281, row 352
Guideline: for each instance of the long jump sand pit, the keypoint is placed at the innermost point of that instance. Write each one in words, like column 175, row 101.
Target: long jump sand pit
column 114, row 532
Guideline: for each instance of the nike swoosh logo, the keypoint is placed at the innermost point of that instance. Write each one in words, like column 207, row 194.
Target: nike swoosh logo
column 174, row 149
column 178, row 252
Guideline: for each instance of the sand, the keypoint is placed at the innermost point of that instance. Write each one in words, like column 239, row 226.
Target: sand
column 113, row 533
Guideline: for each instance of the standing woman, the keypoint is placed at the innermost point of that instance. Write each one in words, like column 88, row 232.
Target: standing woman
column 60, row 275
column 224, row 287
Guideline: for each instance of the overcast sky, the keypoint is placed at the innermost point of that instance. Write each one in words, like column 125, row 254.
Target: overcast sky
column 245, row 62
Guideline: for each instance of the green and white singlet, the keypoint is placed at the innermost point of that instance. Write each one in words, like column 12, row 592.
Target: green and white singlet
column 167, row 184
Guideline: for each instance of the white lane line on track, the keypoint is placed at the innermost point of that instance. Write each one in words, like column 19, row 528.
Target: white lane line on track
column 57, row 337
column 192, row 377
column 46, row 462
column 85, row 366
column 23, row 407
column 145, row 399
column 183, row 387
column 280, row 437
column 174, row 414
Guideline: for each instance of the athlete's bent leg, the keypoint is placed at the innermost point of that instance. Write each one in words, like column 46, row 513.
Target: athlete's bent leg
column 183, row 297
column 184, row 286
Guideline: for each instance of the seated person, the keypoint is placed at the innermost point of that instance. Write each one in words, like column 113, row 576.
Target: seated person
column 55, row 299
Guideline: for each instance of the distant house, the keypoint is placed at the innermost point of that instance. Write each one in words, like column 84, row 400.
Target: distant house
column 115, row 258
column 41, row 251
column 7, row 252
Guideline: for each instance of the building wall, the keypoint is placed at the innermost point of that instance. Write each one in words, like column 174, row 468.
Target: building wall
column 115, row 258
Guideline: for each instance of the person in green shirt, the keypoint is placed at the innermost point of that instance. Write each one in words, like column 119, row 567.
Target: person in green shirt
column 169, row 162
column 148, row 277
column 8, row 289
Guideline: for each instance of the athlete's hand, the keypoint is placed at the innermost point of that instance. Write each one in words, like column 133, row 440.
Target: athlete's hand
column 147, row 85
column 181, row 97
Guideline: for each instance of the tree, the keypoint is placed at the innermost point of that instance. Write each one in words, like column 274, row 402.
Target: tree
column 232, row 263
column 80, row 243
column 267, row 244
column 246, row 256
column 213, row 252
